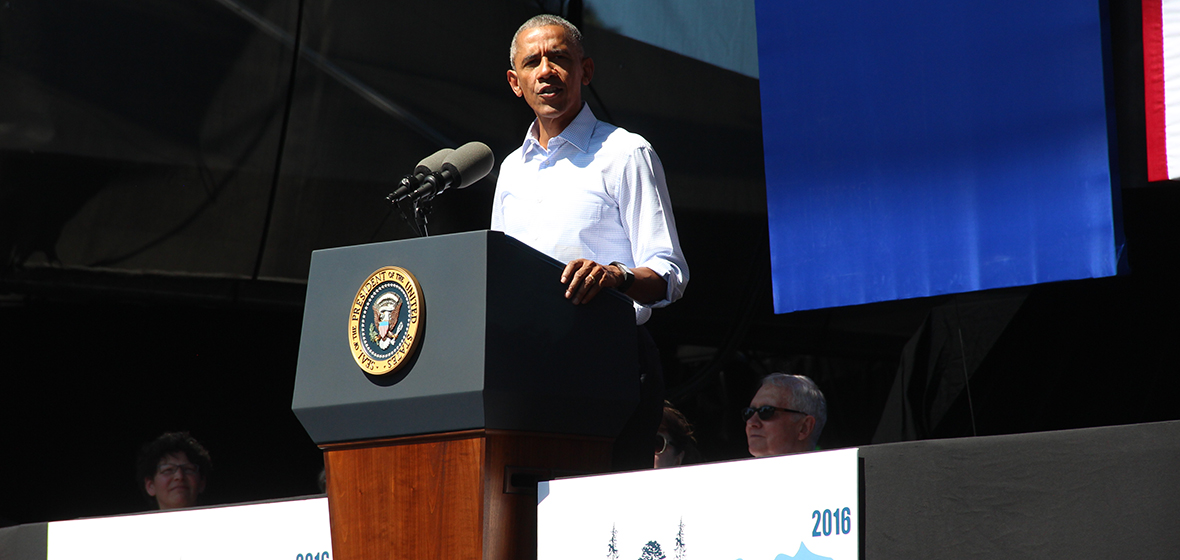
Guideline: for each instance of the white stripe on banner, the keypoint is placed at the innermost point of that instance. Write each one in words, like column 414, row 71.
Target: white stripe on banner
column 1171, row 38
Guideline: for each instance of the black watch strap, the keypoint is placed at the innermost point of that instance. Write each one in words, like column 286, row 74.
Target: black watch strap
column 628, row 277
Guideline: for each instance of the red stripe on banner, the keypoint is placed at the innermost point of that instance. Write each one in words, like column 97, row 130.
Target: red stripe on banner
column 1153, row 82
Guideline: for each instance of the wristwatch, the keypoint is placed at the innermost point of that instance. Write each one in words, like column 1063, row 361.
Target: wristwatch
column 628, row 276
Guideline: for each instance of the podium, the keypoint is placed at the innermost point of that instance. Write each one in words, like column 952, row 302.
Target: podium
column 509, row 384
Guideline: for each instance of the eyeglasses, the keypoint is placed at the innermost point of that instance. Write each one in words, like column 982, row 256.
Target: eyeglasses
column 765, row 412
column 169, row 469
column 661, row 443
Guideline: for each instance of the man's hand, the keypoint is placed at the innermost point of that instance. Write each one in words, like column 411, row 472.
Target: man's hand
column 584, row 278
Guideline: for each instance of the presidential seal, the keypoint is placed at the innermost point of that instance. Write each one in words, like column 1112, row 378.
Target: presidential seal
column 384, row 322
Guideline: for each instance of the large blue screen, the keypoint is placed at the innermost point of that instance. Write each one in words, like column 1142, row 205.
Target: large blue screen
column 929, row 147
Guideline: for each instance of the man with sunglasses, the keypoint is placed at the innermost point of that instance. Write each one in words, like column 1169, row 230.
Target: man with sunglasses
column 785, row 416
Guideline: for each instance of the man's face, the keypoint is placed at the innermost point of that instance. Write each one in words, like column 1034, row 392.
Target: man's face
column 783, row 433
column 176, row 483
column 549, row 74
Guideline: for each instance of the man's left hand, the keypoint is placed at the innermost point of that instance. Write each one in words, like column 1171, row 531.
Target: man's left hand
column 584, row 278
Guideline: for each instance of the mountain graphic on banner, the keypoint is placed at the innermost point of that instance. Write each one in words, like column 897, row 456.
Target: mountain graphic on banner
column 802, row 554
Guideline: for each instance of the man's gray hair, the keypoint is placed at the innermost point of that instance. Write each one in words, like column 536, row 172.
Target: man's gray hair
column 544, row 20
column 805, row 397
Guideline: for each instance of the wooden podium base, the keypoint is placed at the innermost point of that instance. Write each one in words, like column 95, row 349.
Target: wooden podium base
column 454, row 496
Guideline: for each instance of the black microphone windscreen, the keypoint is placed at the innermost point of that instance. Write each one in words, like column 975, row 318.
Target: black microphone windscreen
column 472, row 161
column 433, row 162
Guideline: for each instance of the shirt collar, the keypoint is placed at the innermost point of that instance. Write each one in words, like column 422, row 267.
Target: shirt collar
column 578, row 132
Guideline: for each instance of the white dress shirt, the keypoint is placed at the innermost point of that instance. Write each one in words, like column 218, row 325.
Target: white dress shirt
column 599, row 193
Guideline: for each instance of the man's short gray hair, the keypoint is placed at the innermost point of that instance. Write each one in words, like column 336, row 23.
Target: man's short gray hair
column 805, row 397
column 544, row 20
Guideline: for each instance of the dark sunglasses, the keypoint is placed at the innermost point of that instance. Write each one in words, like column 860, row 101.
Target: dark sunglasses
column 765, row 412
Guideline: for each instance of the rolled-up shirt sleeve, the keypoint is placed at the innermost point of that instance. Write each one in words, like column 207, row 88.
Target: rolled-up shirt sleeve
column 645, row 210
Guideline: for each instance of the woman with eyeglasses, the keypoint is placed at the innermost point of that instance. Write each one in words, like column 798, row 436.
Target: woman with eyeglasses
column 674, row 444
column 173, row 469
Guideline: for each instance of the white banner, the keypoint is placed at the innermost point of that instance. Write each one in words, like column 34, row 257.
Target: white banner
column 288, row 530
column 794, row 507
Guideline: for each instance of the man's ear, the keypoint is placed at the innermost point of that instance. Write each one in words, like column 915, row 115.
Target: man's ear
column 806, row 427
column 514, row 83
column 201, row 485
column 149, row 485
column 587, row 70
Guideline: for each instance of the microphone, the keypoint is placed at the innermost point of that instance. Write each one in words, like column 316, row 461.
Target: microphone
column 464, row 166
column 411, row 182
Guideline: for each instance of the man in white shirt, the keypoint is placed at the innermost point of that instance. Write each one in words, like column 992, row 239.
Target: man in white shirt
column 582, row 191
column 589, row 194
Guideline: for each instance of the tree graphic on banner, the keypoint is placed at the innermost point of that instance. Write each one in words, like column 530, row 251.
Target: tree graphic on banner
column 680, row 550
column 651, row 551
column 612, row 548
